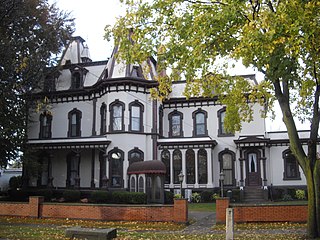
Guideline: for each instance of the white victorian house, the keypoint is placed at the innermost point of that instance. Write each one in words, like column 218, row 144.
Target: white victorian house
column 101, row 119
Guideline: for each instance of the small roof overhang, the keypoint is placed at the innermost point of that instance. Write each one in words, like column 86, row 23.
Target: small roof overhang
column 252, row 141
column 155, row 167
column 185, row 143
column 69, row 143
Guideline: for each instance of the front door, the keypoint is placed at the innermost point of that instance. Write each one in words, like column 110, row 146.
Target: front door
column 253, row 169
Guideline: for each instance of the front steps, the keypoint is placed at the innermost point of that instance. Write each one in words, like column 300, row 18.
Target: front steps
column 254, row 194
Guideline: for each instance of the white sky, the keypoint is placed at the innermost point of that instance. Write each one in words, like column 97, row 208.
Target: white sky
column 90, row 19
column 92, row 16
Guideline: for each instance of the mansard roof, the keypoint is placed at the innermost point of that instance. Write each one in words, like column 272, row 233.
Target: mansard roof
column 147, row 167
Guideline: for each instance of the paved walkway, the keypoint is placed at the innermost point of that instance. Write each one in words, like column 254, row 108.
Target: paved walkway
column 201, row 222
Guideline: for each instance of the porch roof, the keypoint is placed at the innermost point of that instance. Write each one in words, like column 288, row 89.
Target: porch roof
column 69, row 143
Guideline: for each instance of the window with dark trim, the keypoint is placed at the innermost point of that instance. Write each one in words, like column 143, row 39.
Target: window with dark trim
column 141, row 184
column 135, row 155
column 103, row 168
column 227, row 158
column 177, row 165
column 73, row 166
column 116, row 116
column 190, row 166
column 202, row 166
column 165, row 158
column 74, row 117
column 136, row 110
column 77, row 77
column 221, row 128
column 103, row 119
column 115, row 157
column 133, row 184
column 43, row 170
column 291, row 166
column 175, row 124
column 200, row 123
column 45, row 125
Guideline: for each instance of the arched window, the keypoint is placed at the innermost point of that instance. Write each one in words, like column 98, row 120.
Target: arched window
column 190, row 166
column 133, row 184
column 103, row 119
column 291, row 167
column 103, row 169
column 177, row 165
column 136, row 116
column 200, row 123
column 221, row 128
column 227, row 159
column 165, row 158
column 141, row 184
column 135, row 155
column 73, row 166
column 74, row 117
column 45, row 125
column 115, row 157
column 202, row 167
column 116, row 116
column 175, row 122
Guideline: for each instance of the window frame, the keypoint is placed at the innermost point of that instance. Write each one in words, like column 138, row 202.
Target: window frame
column 133, row 160
column 111, row 110
column 200, row 175
column 195, row 123
column 78, row 115
column 167, row 179
column 111, row 165
column 42, row 132
column 233, row 159
column 170, row 117
column 136, row 103
column 176, row 170
column 190, row 166
column 221, row 129
column 286, row 155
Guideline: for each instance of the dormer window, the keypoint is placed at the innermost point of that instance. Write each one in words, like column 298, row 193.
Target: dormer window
column 77, row 77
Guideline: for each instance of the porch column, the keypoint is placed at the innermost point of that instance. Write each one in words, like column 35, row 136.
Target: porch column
column 241, row 160
column 171, row 168
column 50, row 178
column 209, row 168
column 93, row 160
column 263, row 158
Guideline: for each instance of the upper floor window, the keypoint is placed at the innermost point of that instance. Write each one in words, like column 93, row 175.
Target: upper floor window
column 200, row 123
column 45, row 125
column 135, row 155
column 221, row 118
column 136, row 116
column 116, row 116
column 291, row 167
column 74, row 123
column 103, row 119
column 175, row 122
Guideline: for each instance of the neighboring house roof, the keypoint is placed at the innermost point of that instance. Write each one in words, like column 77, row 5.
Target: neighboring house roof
column 147, row 167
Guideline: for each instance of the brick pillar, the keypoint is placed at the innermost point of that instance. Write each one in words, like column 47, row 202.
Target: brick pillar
column 34, row 205
column 180, row 211
column 221, row 205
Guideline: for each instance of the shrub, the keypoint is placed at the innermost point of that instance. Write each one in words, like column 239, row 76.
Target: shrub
column 71, row 195
column 100, row 196
column 168, row 197
column 300, row 194
column 215, row 196
column 15, row 182
column 206, row 196
column 18, row 195
column 177, row 195
column 195, row 197
column 129, row 197
column 287, row 197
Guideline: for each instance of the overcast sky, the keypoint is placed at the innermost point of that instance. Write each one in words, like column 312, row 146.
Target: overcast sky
column 90, row 18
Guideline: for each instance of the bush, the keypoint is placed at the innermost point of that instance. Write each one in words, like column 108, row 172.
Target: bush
column 71, row 195
column 287, row 197
column 177, row 195
column 206, row 196
column 168, row 197
column 300, row 194
column 15, row 182
column 100, row 197
column 18, row 195
column 195, row 197
column 215, row 196
column 129, row 197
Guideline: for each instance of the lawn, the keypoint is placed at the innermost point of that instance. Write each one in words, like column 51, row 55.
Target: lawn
column 28, row 228
column 202, row 207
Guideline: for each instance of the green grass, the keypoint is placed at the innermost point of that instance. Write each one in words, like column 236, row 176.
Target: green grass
column 202, row 207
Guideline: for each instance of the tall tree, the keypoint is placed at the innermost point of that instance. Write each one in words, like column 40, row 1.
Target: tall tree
column 279, row 38
column 32, row 32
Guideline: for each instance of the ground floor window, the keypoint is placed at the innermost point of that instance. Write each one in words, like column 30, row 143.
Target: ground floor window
column 202, row 166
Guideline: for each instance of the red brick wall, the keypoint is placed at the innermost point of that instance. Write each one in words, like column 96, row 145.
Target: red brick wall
column 263, row 213
column 36, row 208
